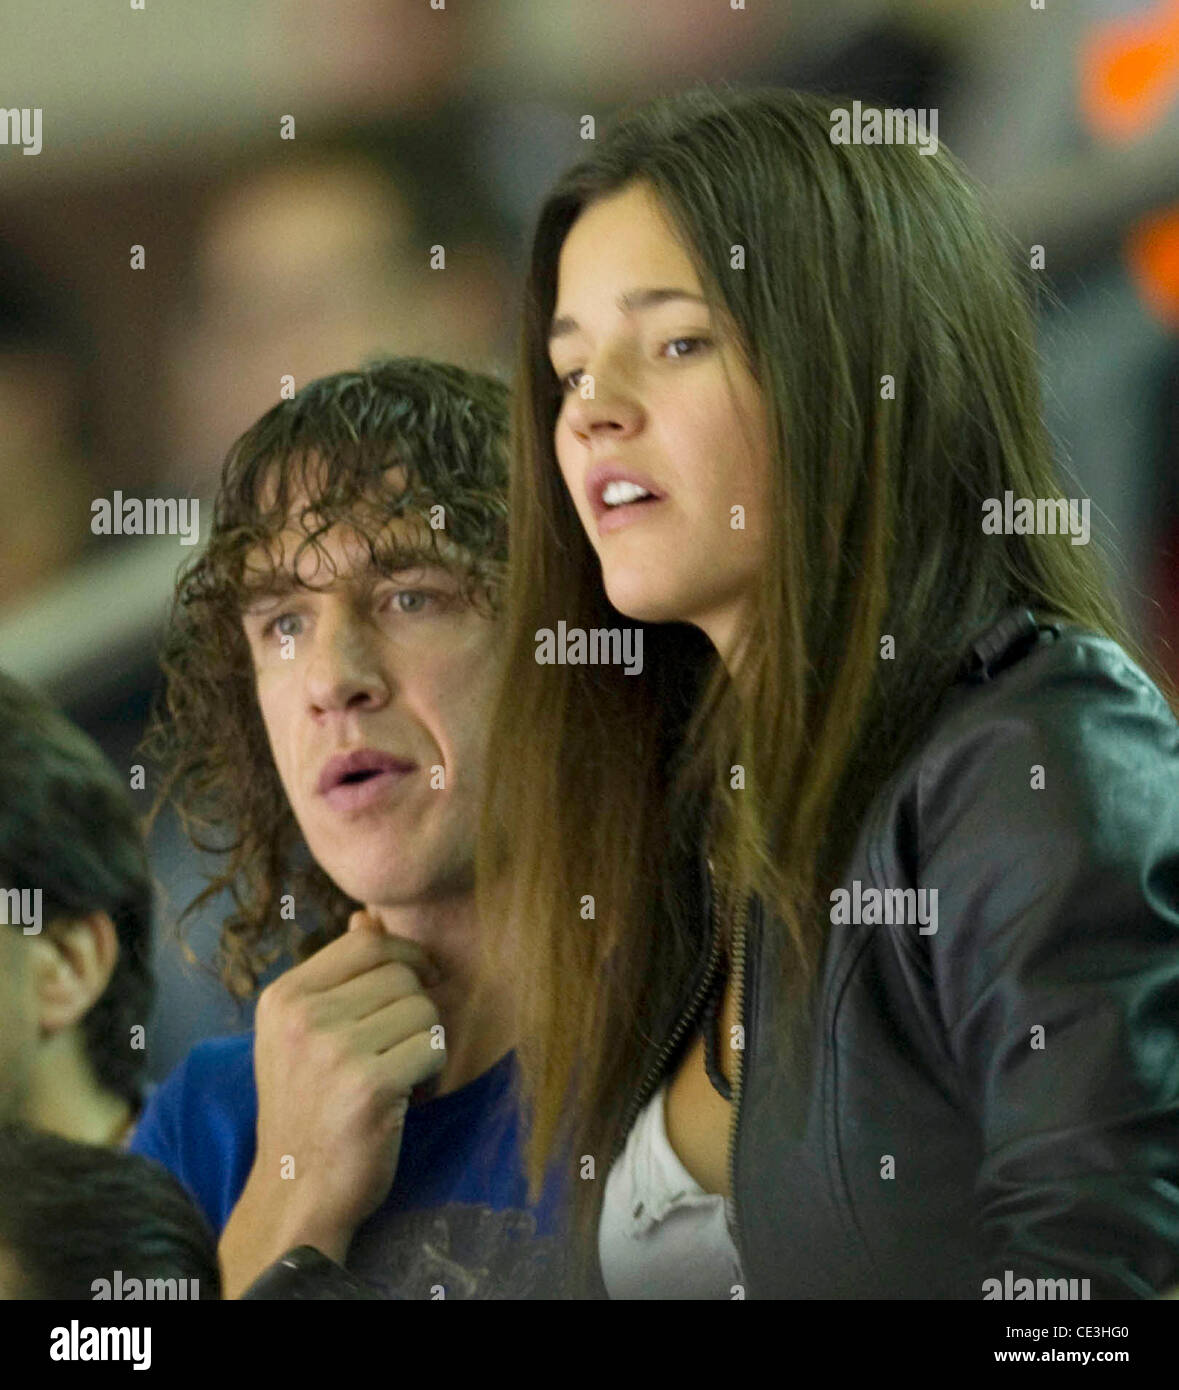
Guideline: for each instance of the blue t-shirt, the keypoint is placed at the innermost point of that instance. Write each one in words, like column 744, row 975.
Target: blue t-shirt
column 456, row 1215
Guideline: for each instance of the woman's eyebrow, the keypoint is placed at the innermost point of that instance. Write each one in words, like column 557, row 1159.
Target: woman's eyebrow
column 630, row 302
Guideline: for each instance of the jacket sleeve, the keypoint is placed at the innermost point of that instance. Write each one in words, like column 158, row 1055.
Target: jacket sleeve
column 1050, row 829
column 306, row 1274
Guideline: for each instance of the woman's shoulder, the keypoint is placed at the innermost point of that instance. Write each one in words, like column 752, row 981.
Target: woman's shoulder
column 1072, row 690
column 1066, row 753
column 1041, row 815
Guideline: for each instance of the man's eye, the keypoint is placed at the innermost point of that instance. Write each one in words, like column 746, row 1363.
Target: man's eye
column 277, row 625
column 413, row 600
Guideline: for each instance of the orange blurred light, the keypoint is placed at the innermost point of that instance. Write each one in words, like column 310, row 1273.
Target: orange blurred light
column 1152, row 254
column 1129, row 72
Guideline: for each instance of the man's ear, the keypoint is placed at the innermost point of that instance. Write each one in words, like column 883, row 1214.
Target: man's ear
column 73, row 961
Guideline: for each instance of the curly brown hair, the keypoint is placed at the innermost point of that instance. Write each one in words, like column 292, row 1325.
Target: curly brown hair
column 398, row 438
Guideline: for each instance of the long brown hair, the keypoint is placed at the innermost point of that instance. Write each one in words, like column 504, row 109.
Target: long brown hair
column 860, row 262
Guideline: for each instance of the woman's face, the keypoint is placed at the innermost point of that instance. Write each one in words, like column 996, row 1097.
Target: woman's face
column 656, row 397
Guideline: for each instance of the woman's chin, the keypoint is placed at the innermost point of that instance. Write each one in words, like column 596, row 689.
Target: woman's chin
column 643, row 603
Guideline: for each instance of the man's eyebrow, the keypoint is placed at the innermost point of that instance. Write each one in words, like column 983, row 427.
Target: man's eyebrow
column 274, row 586
column 391, row 560
column 404, row 556
column 629, row 302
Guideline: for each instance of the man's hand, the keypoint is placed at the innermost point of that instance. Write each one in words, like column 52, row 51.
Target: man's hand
column 340, row 1042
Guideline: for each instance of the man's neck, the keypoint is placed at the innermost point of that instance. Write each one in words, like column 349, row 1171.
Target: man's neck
column 478, row 1023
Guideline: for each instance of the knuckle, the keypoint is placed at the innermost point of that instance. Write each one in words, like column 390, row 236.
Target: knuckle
column 404, row 979
column 397, row 948
column 301, row 1020
column 272, row 1006
column 417, row 1013
column 269, row 997
column 360, row 1086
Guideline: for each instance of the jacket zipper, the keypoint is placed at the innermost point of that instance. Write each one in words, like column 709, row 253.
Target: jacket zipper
column 645, row 1091
column 656, row 1070
column 739, row 968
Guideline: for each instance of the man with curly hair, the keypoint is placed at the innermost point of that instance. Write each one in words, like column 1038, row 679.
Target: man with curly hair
column 329, row 669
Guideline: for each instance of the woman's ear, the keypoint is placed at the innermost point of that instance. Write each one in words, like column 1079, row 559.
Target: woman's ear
column 72, row 963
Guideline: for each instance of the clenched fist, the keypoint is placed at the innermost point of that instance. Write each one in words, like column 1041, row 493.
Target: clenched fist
column 340, row 1042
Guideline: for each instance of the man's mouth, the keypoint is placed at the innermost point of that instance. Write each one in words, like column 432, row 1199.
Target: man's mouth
column 355, row 781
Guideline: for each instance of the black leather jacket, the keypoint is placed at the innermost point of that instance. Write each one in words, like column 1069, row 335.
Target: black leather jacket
column 1019, row 1065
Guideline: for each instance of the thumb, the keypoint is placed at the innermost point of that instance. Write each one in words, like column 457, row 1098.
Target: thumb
column 362, row 918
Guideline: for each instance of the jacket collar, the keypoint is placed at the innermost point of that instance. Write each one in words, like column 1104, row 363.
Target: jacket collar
column 1005, row 641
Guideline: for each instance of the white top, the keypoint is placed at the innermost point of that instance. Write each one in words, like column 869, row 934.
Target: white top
column 661, row 1235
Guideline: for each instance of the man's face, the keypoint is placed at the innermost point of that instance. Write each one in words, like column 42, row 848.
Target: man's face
column 376, row 689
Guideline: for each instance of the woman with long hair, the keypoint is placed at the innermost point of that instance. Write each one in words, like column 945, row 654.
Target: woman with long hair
column 849, row 913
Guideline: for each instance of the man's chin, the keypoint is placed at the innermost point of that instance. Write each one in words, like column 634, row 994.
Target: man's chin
column 388, row 872
column 387, row 891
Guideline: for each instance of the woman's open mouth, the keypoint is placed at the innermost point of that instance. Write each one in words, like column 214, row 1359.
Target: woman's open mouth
column 619, row 497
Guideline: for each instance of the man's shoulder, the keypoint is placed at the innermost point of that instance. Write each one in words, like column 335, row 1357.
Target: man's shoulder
column 214, row 1055
column 216, row 1076
column 214, row 1066
column 199, row 1122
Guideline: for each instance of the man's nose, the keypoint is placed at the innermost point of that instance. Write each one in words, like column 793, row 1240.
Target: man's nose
column 344, row 671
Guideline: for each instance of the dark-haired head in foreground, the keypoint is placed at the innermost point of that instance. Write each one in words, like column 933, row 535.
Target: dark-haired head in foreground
column 81, row 1222
column 75, row 928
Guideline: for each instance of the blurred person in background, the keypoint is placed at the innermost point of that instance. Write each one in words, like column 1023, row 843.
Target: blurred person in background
column 79, row 1222
column 303, row 268
column 329, row 668
column 43, row 478
column 75, row 985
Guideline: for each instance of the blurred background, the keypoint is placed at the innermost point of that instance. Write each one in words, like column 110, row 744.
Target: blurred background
column 418, row 126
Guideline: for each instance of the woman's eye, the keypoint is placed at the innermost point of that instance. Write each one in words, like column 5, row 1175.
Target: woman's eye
column 568, row 382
